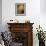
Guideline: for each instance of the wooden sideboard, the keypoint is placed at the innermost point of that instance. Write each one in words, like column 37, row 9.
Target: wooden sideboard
column 22, row 33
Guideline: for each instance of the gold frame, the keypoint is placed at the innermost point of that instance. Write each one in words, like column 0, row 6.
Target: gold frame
column 20, row 9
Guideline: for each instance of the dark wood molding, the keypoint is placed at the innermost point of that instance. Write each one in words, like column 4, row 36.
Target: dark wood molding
column 23, row 27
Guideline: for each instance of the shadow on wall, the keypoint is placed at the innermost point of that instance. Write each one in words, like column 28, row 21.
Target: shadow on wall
column 0, row 15
column 43, row 6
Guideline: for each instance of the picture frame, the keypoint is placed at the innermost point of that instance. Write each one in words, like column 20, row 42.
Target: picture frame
column 20, row 9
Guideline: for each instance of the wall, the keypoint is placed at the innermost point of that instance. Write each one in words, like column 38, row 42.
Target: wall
column 33, row 13
column 43, row 14
column 43, row 6
column 0, row 15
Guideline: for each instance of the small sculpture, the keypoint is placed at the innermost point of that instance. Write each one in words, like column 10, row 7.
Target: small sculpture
column 27, row 21
column 14, row 21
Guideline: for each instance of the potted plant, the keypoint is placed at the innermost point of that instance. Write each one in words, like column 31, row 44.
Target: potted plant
column 41, row 36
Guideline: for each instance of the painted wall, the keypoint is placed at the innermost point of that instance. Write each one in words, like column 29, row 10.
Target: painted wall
column 43, row 14
column 43, row 6
column 33, row 13
column 0, row 15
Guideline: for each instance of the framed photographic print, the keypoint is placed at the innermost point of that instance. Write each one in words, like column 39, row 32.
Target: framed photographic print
column 20, row 9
